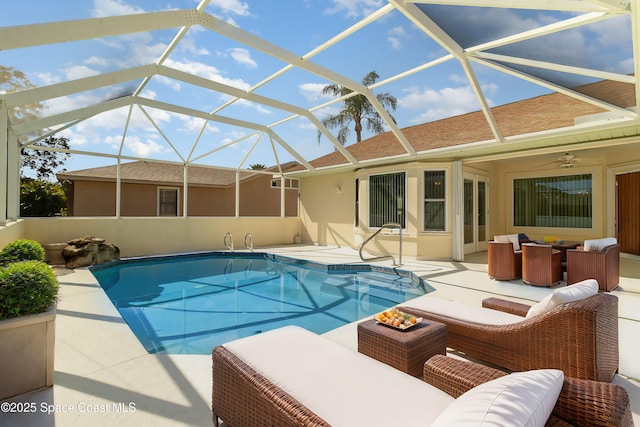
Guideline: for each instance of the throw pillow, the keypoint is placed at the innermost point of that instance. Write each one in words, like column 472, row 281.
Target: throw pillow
column 599, row 244
column 575, row 292
column 517, row 399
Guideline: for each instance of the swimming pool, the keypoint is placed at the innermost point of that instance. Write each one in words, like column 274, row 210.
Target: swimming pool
column 190, row 303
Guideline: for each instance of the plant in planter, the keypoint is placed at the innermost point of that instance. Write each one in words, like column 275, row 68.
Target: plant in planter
column 28, row 292
column 22, row 250
column 26, row 287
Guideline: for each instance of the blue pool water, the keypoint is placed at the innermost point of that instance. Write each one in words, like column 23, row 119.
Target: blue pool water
column 191, row 303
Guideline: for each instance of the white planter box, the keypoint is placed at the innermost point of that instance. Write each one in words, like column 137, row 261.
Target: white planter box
column 27, row 353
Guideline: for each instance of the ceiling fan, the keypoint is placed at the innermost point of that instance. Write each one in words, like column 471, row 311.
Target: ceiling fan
column 567, row 161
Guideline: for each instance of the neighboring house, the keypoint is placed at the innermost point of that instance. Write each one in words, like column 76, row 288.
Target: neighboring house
column 157, row 189
column 461, row 187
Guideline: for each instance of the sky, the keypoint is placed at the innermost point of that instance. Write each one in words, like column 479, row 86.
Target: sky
column 389, row 46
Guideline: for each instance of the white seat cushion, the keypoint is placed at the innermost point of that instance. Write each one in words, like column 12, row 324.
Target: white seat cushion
column 465, row 312
column 575, row 292
column 518, row 399
column 343, row 387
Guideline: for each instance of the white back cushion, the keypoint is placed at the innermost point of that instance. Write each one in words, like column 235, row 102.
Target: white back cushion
column 575, row 292
column 599, row 244
column 505, row 238
column 518, row 399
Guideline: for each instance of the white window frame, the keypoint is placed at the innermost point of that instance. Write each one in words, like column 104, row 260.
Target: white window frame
column 445, row 200
column 596, row 191
column 369, row 188
column 159, row 191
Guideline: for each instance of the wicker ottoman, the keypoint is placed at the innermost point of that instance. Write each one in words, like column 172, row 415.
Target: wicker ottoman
column 404, row 350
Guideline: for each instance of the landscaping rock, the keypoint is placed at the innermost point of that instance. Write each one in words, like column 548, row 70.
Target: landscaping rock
column 87, row 251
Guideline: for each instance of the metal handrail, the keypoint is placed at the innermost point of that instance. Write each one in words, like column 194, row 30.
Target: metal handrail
column 250, row 245
column 226, row 245
column 389, row 225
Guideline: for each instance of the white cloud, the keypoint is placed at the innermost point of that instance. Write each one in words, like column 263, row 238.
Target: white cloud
column 438, row 104
column 193, row 125
column 355, row 8
column 79, row 71
column 207, row 71
column 242, row 56
column 48, row 78
column 96, row 60
column 233, row 7
column 113, row 7
column 396, row 36
column 313, row 91
column 143, row 148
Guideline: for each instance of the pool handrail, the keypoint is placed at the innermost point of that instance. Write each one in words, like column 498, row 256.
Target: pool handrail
column 382, row 227
column 250, row 244
column 227, row 245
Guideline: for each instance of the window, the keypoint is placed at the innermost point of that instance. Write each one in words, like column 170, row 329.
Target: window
column 557, row 201
column 289, row 183
column 167, row 202
column 434, row 200
column 387, row 199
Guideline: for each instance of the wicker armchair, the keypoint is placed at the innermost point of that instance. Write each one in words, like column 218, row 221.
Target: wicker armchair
column 579, row 337
column 503, row 262
column 603, row 265
column 578, row 403
column 541, row 265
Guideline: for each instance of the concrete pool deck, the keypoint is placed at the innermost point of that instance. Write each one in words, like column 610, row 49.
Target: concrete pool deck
column 104, row 377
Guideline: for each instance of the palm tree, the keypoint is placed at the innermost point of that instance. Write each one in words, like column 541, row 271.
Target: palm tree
column 357, row 109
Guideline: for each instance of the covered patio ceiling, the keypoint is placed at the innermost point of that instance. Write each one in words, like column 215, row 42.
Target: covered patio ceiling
column 228, row 84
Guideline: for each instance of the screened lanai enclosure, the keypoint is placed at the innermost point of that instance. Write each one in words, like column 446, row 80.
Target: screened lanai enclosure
column 240, row 87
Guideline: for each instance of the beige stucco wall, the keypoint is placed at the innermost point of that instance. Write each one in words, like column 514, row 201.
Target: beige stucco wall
column 327, row 215
column 11, row 231
column 154, row 235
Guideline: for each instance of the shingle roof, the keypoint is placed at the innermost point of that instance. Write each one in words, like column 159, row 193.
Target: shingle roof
column 168, row 173
column 537, row 114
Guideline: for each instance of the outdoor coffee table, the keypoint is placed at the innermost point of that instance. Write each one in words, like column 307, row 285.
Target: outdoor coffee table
column 404, row 350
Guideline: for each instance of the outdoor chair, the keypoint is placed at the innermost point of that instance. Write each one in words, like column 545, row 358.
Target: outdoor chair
column 574, row 329
column 598, row 259
column 541, row 265
column 503, row 261
column 293, row 377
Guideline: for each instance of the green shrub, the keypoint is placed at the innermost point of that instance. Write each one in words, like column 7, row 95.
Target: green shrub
column 22, row 250
column 26, row 287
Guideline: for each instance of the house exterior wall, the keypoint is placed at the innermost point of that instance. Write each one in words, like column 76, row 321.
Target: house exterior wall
column 327, row 217
column 257, row 198
column 92, row 198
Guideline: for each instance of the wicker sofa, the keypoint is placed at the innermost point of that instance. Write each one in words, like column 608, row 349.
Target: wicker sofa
column 293, row 377
column 579, row 337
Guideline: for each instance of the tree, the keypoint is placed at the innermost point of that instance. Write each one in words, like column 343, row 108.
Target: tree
column 41, row 198
column 43, row 162
column 357, row 110
column 257, row 166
